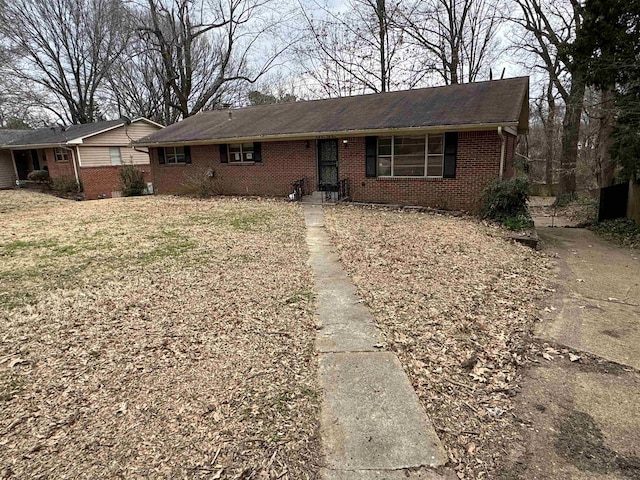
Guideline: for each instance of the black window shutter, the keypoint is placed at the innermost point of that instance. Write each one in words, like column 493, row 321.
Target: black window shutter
column 450, row 153
column 187, row 154
column 224, row 155
column 161, row 159
column 257, row 152
column 371, row 156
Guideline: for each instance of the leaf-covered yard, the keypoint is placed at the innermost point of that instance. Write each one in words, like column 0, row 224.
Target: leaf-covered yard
column 155, row 337
column 456, row 302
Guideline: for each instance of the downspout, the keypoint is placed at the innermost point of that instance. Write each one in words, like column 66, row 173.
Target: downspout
column 502, row 150
column 73, row 160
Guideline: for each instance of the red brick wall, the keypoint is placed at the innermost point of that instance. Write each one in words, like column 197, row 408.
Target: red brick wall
column 478, row 163
column 60, row 169
column 98, row 181
column 282, row 164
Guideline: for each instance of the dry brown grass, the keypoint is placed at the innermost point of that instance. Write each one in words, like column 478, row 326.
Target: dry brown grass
column 155, row 337
column 456, row 301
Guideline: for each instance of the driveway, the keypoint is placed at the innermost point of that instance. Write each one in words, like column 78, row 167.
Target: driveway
column 580, row 404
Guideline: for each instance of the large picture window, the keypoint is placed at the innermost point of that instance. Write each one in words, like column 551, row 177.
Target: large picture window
column 241, row 152
column 411, row 156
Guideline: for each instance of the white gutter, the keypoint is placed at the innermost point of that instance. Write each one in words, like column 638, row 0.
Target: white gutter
column 502, row 150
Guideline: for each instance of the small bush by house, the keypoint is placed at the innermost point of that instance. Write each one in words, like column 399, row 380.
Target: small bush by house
column 132, row 181
column 66, row 185
column 505, row 201
column 39, row 176
column 202, row 183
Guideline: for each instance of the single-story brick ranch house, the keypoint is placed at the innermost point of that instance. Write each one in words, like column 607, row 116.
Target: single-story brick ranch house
column 433, row 146
column 91, row 153
column 436, row 147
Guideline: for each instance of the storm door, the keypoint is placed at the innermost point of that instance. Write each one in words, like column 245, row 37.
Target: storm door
column 328, row 165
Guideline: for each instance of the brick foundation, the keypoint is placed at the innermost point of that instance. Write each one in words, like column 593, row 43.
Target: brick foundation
column 478, row 163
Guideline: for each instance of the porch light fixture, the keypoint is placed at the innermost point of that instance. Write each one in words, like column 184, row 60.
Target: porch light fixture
column 308, row 144
column 345, row 142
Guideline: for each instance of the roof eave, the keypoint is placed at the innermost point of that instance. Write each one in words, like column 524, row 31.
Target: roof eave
column 335, row 133
column 35, row 145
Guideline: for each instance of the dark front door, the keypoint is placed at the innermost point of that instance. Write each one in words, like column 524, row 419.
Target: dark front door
column 22, row 164
column 328, row 165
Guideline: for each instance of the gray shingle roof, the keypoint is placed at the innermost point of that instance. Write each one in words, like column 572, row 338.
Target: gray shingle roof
column 11, row 135
column 483, row 103
column 58, row 136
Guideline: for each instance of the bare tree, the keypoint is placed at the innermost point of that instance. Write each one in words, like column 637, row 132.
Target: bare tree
column 64, row 49
column 596, row 138
column 546, row 109
column 548, row 29
column 203, row 47
column 355, row 51
column 137, row 86
column 456, row 38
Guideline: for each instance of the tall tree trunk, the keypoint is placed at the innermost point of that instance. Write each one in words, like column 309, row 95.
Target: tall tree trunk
column 382, row 24
column 605, row 141
column 570, row 133
column 550, row 137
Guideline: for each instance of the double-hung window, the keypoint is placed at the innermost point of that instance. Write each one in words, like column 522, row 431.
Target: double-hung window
column 115, row 155
column 174, row 154
column 61, row 154
column 411, row 156
column 241, row 152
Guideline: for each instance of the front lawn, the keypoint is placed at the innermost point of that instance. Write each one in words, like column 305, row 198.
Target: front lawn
column 456, row 302
column 155, row 337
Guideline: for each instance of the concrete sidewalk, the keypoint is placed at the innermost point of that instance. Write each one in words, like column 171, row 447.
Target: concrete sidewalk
column 372, row 425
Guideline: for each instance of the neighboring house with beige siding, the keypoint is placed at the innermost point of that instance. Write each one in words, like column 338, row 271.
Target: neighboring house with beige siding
column 93, row 153
column 8, row 172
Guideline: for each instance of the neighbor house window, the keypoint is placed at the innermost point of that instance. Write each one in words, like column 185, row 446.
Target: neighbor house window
column 411, row 156
column 61, row 155
column 115, row 155
column 241, row 152
column 175, row 154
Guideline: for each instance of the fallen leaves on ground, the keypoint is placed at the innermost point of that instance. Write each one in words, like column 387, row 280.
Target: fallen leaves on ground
column 456, row 302
column 155, row 337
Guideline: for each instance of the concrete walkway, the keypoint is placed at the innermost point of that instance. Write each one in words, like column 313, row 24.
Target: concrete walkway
column 580, row 417
column 372, row 425
column 597, row 309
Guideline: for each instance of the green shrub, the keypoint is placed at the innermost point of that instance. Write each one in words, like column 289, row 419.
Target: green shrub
column 132, row 181
column 505, row 201
column 65, row 185
column 39, row 176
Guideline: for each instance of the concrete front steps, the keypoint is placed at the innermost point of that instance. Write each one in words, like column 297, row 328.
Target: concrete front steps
column 320, row 198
